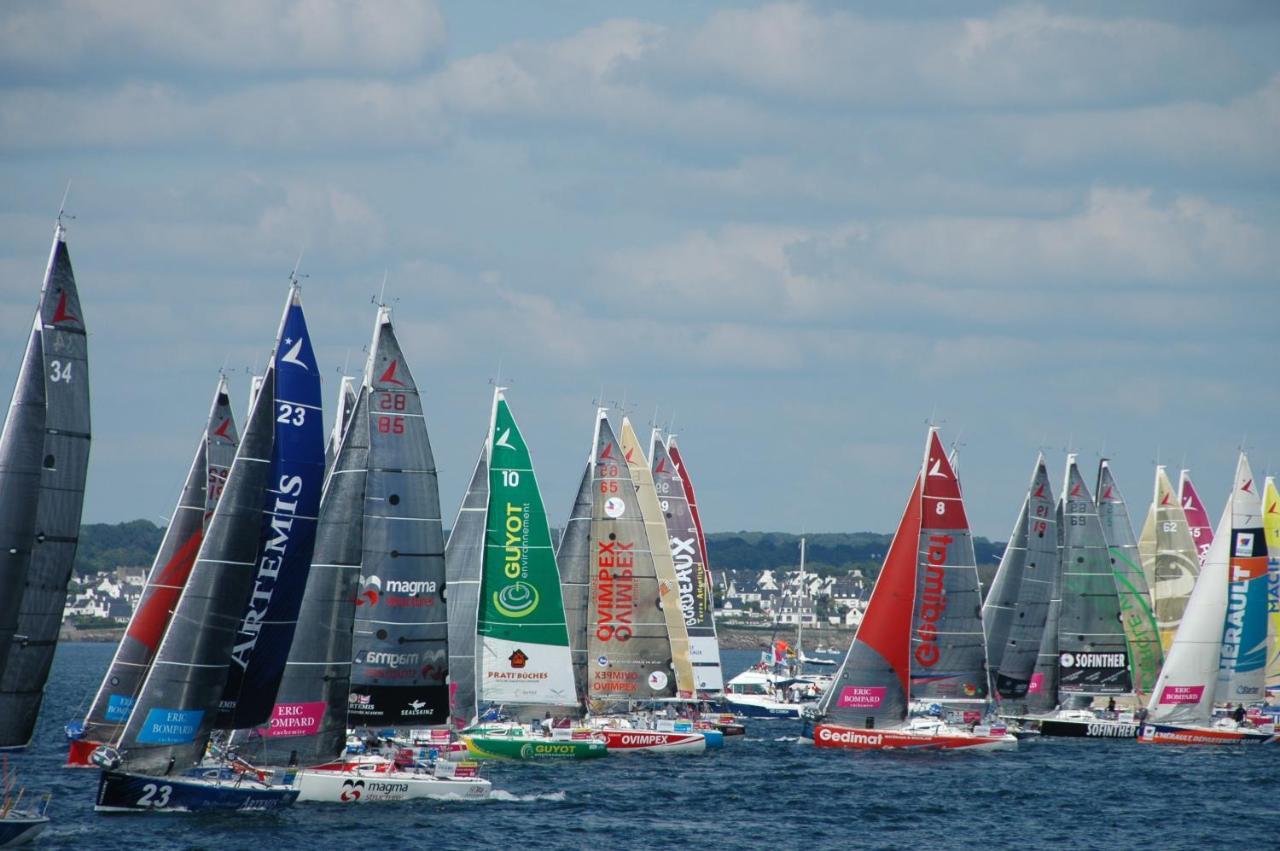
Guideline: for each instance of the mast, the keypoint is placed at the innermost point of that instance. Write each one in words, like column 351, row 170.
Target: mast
column 64, row 461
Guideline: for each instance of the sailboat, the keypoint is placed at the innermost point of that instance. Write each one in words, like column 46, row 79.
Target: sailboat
column 920, row 636
column 1197, row 516
column 18, row 825
column 1140, row 631
column 523, row 666
column 1170, row 558
column 308, row 725
column 206, row 478
column 257, row 549
column 1017, row 606
column 1093, row 659
column 1218, row 618
column 46, row 432
column 1271, row 528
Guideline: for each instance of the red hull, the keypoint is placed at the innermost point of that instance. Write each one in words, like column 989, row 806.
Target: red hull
column 1168, row 734
column 79, row 752
column 852, row 738
column 659, row 741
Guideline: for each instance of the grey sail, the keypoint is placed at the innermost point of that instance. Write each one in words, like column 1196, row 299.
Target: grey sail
column 628, row 646
column 1015, row 661
column 173, row 715
column 58, row 507
column 206, row 478
column 346, row 404
column 872, row 686
column 1002, row 600
column 309, row 721
column 572, row 555
column 1042, row 694
column 21, row 452
column 1093, row 658
column 1133, row 594
column 696, row 603
column 400, row 653
column 464, row 563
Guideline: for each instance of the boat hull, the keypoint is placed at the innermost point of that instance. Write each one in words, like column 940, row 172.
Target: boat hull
column 1190, row 734
column 510, row 747
column 854, row 738
column 137, row 793
column 770, row 709
column 1093, row 729
column 653, row 741
column 79, row 753
column 19, row 830
column 358, row 787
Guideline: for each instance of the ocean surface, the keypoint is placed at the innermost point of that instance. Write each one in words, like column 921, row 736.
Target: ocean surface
column 767, row 791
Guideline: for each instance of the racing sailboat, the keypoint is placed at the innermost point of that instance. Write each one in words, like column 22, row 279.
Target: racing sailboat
column 1017, row 606
column 523, row 665
column 1133, row 593
column 308, row 725
column 206, row 478
column 257, row 548
column 43, row 531
column 1217, row 617
column 1197, row 516
column 1170, row 558
column 1271, row 528
column 920, row 636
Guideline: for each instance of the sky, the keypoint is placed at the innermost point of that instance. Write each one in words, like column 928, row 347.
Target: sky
column 793, row 233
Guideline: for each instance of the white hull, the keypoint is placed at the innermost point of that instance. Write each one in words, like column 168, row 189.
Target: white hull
column 362, row 787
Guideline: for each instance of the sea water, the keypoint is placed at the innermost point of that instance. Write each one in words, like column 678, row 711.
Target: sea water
column 764, row 790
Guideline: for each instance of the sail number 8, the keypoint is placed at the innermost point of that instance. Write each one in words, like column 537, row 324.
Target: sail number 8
column 153, row 796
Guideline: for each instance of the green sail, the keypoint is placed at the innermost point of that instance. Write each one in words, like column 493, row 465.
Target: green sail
column 524, row 641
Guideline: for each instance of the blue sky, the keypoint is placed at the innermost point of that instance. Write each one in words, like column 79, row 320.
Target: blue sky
column 797, row 231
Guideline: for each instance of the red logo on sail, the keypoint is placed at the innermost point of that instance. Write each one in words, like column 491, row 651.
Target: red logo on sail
column 518, row 659
column 389, row 377
column 1039, row 491
column 221, row 431
column 1247, row 486
column 60, row 313
column 1075, row 491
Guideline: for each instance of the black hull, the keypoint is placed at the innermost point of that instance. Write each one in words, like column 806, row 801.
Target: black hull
column 1095, row 729
column 137, row 793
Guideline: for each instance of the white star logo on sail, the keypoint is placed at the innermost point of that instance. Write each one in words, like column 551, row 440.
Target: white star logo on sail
column 291, row 356
column 936, row 469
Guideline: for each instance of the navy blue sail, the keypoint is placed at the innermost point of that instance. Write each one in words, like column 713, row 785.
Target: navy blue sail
column 291, row 505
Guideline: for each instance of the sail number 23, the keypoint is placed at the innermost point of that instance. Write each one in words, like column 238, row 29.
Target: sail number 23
column 153, row 796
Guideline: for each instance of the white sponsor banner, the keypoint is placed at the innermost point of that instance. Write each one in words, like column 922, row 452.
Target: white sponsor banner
column 520, row 672
column 704, row 652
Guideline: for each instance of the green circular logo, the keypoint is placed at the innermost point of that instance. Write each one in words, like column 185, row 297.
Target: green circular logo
column 517, row 600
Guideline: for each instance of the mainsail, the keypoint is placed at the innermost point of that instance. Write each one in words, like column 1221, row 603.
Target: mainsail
column 464, row 562
column 1093, row 657
column 1197, row 517
column 64, row 462
column 206, row 478
column 1271, row 527
column 309, row 720
column 400, row 653
column 628, row 651
column 21, row 453
column 872, row 687
column 1141, row 634
column 1042, row 693
column 655, row 527
column 524, row 643
column 346, row 404
column 1243, row 662
column 1034, row 546
column 291, row 501
column 1189, row 681
column 573, row 555
column 704, row 646
column 1170, row 559
column 696, row 602
column 948, row 651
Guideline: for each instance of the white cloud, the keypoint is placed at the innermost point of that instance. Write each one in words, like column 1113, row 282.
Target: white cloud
column 107, row 36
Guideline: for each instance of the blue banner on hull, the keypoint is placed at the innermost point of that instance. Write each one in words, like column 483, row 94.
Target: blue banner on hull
column 292, row 501
column 170, row 726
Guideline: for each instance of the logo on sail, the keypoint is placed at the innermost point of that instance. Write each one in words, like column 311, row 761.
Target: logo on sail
column 370, row 587
column 657, row 681
column 614, row 507
column 60, row 313
column 518, row 659
column 503, row 440
column 291, row 356
column 516, row 600
column 389, row 377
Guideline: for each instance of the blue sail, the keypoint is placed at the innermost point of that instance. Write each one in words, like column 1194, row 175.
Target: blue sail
column 291, row 505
